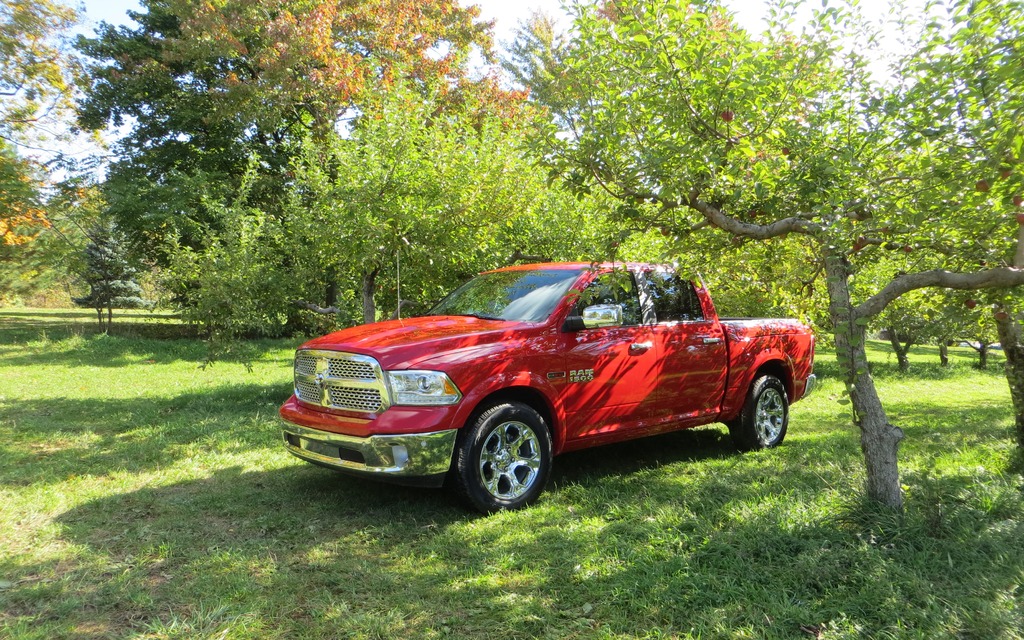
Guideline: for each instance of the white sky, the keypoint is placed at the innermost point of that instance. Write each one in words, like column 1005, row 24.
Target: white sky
column 506, row 13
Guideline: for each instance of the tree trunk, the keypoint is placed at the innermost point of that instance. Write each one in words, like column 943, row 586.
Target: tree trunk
column 110, row 317
column 1010, row 337
column 368, row 289
column 879, row 440
column 983, row 355
column 901, row 351
column 99, row 314
column 331, row 294
column 943, row 353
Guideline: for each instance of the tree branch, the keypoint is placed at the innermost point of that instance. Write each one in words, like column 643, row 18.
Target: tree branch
column 317, row 308
column 786, row 226
column 1000, row 277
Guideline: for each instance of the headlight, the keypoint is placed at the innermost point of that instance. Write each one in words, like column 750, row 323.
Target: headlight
column 423, row 388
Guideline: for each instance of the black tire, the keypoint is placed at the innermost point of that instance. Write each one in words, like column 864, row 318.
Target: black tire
column 765, row 416
column 503, row 459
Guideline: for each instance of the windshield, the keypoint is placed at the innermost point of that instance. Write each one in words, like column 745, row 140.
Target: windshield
column 522, row 296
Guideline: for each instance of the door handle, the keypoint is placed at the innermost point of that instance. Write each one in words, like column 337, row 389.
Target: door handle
column 709, row 339
column 640, row 347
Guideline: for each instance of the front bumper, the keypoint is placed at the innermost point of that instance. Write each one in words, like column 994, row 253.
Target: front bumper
column 809, row 386
column 420, row 459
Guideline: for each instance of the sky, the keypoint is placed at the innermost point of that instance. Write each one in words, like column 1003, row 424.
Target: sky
column 506, row 13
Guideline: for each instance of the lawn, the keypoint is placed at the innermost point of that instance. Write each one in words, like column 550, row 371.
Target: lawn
column 144, row 496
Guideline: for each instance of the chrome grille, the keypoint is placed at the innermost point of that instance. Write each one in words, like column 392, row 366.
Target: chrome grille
column 305, row 365
column 308, row 392
column 360, row 399
column 339, row 380
column 338, row 368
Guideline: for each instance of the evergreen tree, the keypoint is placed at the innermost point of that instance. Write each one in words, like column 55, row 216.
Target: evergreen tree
column 110, row 276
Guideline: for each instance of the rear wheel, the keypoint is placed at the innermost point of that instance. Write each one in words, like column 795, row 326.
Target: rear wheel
column 764, row 418
column 503, row 460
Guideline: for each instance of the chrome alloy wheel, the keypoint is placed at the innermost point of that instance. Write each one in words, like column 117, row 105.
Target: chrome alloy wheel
column 770, row 415
column 510, row 460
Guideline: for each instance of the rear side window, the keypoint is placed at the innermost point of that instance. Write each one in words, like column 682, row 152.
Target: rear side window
column 673, row 297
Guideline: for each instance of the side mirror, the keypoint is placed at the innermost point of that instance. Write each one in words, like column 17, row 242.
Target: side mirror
column 602, row 315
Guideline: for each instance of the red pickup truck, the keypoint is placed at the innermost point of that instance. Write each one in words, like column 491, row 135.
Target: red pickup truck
column 523, row 363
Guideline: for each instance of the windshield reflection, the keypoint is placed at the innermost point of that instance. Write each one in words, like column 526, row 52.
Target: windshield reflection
column 520, row 296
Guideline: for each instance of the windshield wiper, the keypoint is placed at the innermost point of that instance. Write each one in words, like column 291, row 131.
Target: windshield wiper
column 481, row 316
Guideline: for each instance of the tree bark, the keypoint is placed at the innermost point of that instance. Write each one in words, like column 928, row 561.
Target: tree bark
column 369, row 286
column 983, row 355
column 879, row 440
column 901, row 351
column 331, row 294
column 943, row 353
column 1010, row 337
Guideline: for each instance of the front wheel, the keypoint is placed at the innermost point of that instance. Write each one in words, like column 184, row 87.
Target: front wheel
column 764, row 418
column 504, row 458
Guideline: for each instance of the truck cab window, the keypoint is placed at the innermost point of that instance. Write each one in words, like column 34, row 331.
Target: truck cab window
column 673, row 297
column 617, row 287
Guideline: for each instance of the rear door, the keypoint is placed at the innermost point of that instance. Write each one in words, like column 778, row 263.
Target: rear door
column 694, row 354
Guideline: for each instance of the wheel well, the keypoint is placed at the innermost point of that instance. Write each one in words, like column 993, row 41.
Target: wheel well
column 778, row 369
column 527, row 396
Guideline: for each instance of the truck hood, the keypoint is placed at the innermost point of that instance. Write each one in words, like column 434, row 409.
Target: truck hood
column 402, row 344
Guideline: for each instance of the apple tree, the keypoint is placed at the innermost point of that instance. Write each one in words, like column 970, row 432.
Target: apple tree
column 670, row 106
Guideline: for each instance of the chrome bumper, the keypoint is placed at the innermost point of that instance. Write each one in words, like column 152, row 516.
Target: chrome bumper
column 809, row 386
column 416, row 458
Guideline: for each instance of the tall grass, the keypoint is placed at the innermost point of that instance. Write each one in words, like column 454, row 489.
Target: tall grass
column 144, row 496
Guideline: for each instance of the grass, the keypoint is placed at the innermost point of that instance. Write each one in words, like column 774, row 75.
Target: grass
column 146, row 497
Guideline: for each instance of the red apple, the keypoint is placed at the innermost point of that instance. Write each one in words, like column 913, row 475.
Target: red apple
column 665, row 231
column 1001, row 315
column 1018, row 201
column 1005, row 173
column 727, row 115
column 970, row 303
column 981, row 186
column 1020, row 219
column 907, row 248
column 785, row 151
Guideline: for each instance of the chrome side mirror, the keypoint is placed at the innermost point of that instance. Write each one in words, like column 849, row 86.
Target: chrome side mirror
column 602, row 315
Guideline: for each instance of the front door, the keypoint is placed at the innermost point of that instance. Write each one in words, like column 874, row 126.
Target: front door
column 611, row 372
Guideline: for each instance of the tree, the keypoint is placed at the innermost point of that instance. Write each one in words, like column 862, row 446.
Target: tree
column 51, row 263
column 208, row 88
column 110, row 276
column 36, row 88
column 409, row 203
column 21, row 213
column 789, row 134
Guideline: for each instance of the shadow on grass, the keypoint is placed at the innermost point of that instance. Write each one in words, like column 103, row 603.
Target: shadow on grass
column 719, row 545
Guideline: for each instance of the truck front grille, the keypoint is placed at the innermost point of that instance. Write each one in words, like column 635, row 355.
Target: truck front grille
column 340, row 380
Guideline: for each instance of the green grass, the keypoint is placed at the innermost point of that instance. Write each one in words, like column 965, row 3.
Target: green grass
column 146, row 497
